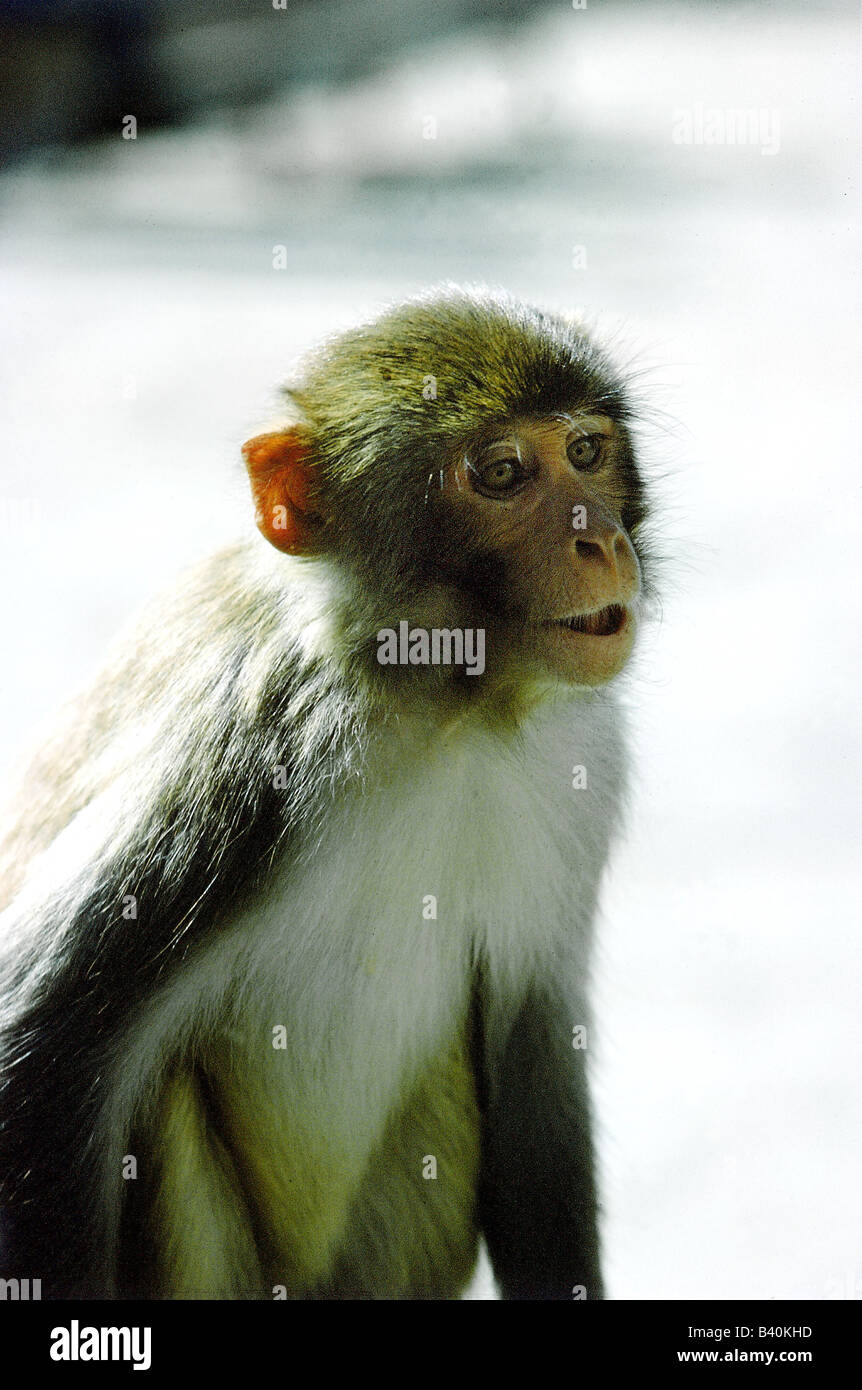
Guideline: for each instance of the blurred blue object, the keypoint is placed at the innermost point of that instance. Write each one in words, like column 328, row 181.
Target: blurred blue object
column 74, row 68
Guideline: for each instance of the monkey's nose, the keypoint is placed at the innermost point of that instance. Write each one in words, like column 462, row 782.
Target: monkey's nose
column 607, row 548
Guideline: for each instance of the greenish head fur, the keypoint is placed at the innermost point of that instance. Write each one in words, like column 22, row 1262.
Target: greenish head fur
column 388, row 405
column 437, row 365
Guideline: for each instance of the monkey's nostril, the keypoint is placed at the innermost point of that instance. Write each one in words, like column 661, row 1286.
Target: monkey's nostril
column 589, row 550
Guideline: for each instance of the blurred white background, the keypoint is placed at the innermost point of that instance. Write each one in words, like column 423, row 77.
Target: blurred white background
column 146, row 332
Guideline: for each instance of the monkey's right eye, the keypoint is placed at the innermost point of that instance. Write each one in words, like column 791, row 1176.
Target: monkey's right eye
column 499, row 476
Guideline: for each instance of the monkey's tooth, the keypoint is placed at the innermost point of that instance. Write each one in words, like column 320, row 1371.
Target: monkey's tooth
column 605, row 622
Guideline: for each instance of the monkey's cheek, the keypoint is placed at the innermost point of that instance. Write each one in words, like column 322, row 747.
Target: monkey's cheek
column 582, row 659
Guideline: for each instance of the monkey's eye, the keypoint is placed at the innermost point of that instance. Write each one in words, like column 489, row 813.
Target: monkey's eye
column 499, row 474
column 585, row 451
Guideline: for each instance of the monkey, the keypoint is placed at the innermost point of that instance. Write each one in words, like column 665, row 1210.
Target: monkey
column 295, row 945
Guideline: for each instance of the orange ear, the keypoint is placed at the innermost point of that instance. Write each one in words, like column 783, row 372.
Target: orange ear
column 281, row 476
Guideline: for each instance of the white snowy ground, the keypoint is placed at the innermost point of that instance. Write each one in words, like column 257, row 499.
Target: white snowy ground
column 145, row 330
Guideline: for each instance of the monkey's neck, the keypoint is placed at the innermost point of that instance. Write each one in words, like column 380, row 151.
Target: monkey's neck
column 337, row 626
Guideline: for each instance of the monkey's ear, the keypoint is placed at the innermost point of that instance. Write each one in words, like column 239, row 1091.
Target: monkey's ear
column 281, row 476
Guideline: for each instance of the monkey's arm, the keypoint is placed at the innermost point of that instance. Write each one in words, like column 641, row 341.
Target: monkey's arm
column 537, row 1198
column 183, row 830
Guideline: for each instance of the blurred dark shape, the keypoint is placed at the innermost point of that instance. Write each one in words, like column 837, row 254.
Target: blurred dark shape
column 72, row 69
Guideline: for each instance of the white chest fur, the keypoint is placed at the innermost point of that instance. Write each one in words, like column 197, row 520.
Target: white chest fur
column 476, row 846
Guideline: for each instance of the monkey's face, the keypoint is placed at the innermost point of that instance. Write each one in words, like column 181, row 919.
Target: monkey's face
column 538, row 510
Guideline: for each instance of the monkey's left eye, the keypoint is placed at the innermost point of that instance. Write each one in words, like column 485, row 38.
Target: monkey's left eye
column 585, row 451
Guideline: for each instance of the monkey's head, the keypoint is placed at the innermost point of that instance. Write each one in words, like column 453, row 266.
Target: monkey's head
column 466, row 459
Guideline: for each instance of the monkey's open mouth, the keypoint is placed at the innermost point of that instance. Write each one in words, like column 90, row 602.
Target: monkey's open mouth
column 606, row 622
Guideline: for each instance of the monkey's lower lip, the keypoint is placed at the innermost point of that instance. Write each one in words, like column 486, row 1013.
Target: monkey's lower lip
column 605, row 622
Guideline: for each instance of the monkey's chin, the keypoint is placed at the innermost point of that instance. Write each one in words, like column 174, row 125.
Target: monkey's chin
column 583, row 657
